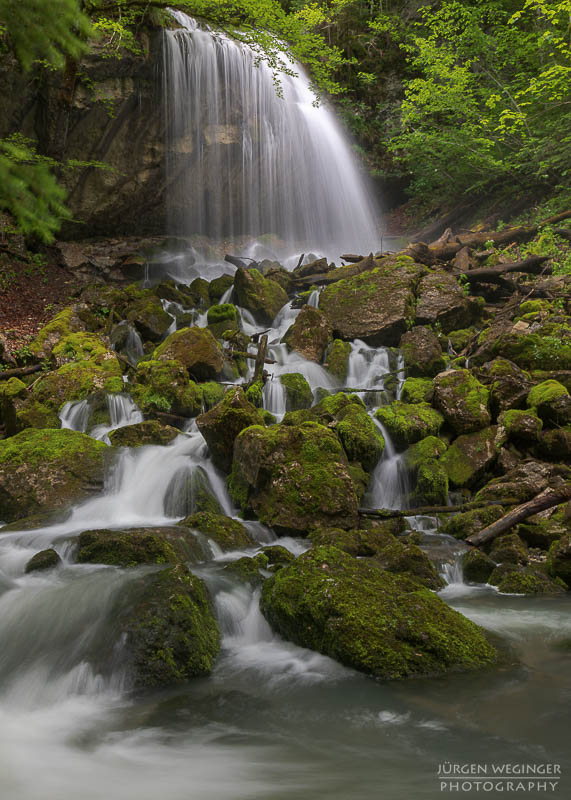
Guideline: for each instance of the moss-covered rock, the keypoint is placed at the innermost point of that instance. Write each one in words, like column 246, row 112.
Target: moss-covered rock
column 128, row 548
column 223, row 317
column 255, row 394
column 459, row 339
column 75, row 381
column 551, row 401
column 65, row 322
column 359, row 436
column 227, row 533
column 298, row 391
column 337, row 359
column 294, row 478
column 508, row 384
column 247, row 569
column 357, row 542
column 277, row 556
column 524, row 580
column 432, row 485
column 170, row 633
column 310, row 334
column 189, row 492
column 408, row 423
column 198, row 293
column 442, row 300
column 422, row 352
column 219, row 286
column 470, row 456
column 45, row 559
column 374, row 306
column 212, row 394
column 165, row 386
column 382, row 624
column 221, row 425
column 559, row 559
column 417, row 390
column 477, row 566
column 196, row 349
column 463, row 400
column 428, row 449
column 262, row 296
column 149, row 318
column 149, row 432
column 556, row 444
column 524, row 482
column 45, row 470
column 522, row 427
column 541, row 533
column 547, row 347
column 509, row 549
column 410, row 560
column 465, row 524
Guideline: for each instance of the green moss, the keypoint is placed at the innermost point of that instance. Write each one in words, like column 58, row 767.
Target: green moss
column 124, row 548
column 227, row 533
column 212, row 394
column 143, row 433
column 298, row 391
column 226, row 312
column 254, row 394
column 198, row 293
column 194, row 348
column 247, row 570
column 521, row 426
column 548, row 348
column 263, row 297
column 408, row 423
column 383, row 624
column 428, row 449
column 559, row 559
column 431, row 484
column 477, row 566
column 77, row 380
column 417, row 390
column 526, row 581
column 79, row 346
column 463, row 525
column 61, row 325
column 545, row 393
column 165, row 386
column 337, row 359
column 45, row 559
column 460, row 338
column 219, row 286
column 11, row 388
column 509, row 549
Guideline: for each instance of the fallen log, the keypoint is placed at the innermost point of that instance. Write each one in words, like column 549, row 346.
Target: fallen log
column 237, row 262
column 547, row 499
column 391, row 513
column 531, row 265
column 340, row 273
column 260, row 358
column 17, row 373
column 351, row 258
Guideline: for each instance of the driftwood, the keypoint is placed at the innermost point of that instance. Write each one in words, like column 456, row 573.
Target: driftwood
column 235, row 261
column 337, row 274
column 16, row 373
column 260, row 358
column 531, row 265
column 547, row 499
column 390, row 513
column 351, row 258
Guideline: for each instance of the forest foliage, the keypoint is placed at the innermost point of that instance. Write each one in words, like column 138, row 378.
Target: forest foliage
column 456, row 98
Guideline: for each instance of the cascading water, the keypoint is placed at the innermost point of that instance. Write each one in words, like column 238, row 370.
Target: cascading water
column 243, row 161
column 389, row 483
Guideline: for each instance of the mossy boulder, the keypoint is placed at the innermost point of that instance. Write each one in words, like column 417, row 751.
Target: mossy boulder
column 189, row 492
column 143, row 433
column 508, row 384
column 255, row 394
column 223, row 317
column 385, row 625
column 470, row 456
column 219, row 286
column 247, row 569
column 408, row 423
column 428, row 449
column 165, row 386
column 463, row 400
column 547, row 347
column 294, row 478
column 431, row 486
column 477, row 566
column 198, row 293
column 337, row 359
column 510, row 579
column 196, row 349
column 127, row 548
column 262, row 296
column 149, row 318
column 65, row 322
column 559, row 559
column 555, row 444
column 524, row 482
column 227, row 533
column 298, row 391
column 410, row 560
column 212, row 394
column 422, row 352
column 417, row 390
column 72, row 382
column 375, row 305
column 541, row 533
column 80, row 346
column 509, row 549
column 459, row 339
column 45, row 559
column 360, row 437
column 361, row 543
column 522, row 427
column 170, row 633
column 440, row 299
column 277, row 556
column 468, row 522
column 221, row 425
column 551, row 401
column 46, row 470
column 310, row 334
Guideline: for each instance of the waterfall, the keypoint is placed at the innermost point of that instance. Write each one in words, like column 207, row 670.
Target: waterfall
column 274, row 397
column 75, row 416
column 389, row 483
column 243, row 161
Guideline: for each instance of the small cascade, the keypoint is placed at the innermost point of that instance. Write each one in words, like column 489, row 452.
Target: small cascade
column 274, row 397
column 122, row 411
column 313, row 299
column 75, row 416
column 367, row 369
column 227, row 296
column 389, row 486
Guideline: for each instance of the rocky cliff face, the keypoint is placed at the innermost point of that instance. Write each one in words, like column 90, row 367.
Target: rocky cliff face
column 107, row 110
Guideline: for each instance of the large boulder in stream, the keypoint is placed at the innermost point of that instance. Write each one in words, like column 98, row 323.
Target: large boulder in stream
column 386, row 625
column 310, row 334
column 169, row 631
column 294, row 478
column 136, row 546
column 375, row 305
column 462, row 399
column 149, row 318
column 47, row 470
column 143, row 433
column 226, row 533
column 221, row 425
column 196, row 349
column 165, row 386
column 262, row 296
column 407, row 424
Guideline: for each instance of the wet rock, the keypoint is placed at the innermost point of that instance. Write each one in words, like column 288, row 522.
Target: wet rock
column 190, row 492
column 45, row 559
column 559, row 559
column 262, row 296
column 221, row 425
column 410, row 560
column 150, row 319
column 65, row 322
column 427, row 475
column 521, row 427
column 227, row 533
column 219, row 286
column 468, row 522
column 442, row 300
column 127, row 548
column 337, row 359
column 541, row 533
column 170, row 632
column 375, row 305
column 357, row 542
column 359, row 436
column 462, row 400
column 509, row 549
column 277, row 556
column 143, row 433
column 407, row 424
column 547, row 347
column 294, row 478
column 47, row 470
column 310, row 334
column 247, row 569
column 422, row 353
column 511, row 579
column 317, row 266
column 551, row 402
column 165, row 386
column 196, row 349
column 470, row 456
column 382, row 624
column 298, row 391
column 477, row 566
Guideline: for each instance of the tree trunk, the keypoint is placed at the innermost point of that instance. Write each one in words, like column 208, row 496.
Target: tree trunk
column 531, row 265
column 260, row 358
column 16, row 373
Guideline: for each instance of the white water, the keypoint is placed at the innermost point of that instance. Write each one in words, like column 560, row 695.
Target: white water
column 272, row 165
column 389, row 484
column 122, row 411
column 274, row 397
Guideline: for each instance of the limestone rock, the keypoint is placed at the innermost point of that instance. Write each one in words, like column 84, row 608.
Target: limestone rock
column 196, row 349
column 262, row 296
column 470, row 456
column 310, row 334
column 441, row 300
column 462, row 400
